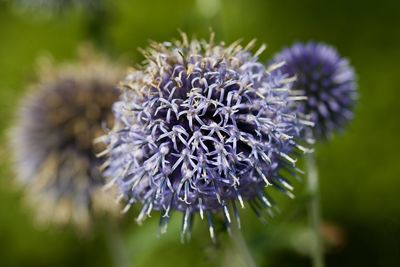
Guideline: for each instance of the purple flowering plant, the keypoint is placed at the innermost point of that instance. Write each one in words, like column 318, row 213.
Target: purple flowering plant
column 327, row 80
column 203, row 128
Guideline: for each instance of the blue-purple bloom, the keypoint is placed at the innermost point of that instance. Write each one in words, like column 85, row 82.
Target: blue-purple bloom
column 328, row 82
column 202, row 128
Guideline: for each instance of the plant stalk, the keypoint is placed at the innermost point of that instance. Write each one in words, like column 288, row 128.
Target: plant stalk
column 242, row 248
column 314, row 211
column 116, row 246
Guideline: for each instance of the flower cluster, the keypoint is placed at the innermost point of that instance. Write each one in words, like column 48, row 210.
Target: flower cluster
column 53, row 137
column 200, row 128
column 328, row 82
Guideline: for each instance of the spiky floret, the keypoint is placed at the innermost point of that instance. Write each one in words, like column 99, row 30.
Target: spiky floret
column 52, row 140
column 328, row 82
column 201, row 127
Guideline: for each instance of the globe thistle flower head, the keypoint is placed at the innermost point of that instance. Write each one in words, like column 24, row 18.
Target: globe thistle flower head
column 52, row 139
column 201, row 128
column 328, row 82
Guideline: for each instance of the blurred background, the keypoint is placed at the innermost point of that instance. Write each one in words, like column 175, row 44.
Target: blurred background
column 359, row 169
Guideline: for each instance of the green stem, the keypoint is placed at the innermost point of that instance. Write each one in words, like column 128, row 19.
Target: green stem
column 242, row 248
column 314, row 211
column 116, row 246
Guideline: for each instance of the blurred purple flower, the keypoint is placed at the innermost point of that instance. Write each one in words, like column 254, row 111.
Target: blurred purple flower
column 52, row 139
column 327, row 80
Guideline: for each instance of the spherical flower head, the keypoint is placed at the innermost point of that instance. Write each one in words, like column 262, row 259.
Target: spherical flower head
column 201, row 128
column 328, row 82
column 52, row 140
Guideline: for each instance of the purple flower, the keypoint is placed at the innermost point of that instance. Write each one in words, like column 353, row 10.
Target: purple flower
column 202, row 128
column 52, row 140
column 328, row 82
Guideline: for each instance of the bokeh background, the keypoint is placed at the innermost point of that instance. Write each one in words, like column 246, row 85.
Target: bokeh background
column 359, row 169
